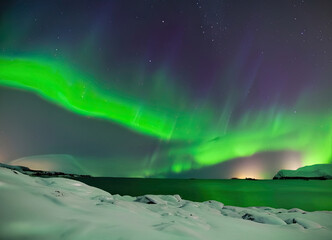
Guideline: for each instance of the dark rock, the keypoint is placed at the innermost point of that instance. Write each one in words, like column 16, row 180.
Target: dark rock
column 248, row 216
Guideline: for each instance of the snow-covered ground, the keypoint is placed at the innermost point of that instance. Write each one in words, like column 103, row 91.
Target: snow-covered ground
column 323, row 171
column 59, row 208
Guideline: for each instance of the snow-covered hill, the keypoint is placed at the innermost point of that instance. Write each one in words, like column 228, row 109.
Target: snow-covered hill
column 39, row 173
column 318, row 171
column 59, row 208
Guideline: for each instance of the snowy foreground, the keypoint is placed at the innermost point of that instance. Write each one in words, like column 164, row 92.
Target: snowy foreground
column 59, row 208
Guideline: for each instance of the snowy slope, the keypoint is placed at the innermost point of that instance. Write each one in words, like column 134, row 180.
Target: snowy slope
column 39, row 173
column 59, row 208
column 318, row 171
column 51, row 162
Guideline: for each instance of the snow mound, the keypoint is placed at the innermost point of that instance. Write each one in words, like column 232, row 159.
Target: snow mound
column 39, row 173
column 305, row 223
column 51, row 162
column 60, row 208
column 318, row 171
column 263, row 218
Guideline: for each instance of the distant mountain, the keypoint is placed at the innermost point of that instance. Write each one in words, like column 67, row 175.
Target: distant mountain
column 318, row 171
column 51, row 162
column 39, row 173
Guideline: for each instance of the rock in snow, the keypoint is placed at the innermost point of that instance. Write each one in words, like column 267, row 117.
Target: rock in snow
column 303, row 222
column 318, row 171
column 60, row 208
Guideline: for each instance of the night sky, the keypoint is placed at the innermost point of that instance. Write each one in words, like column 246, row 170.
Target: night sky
column 206, row 89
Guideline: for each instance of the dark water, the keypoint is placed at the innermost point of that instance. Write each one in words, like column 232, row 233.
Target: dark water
column 308, row 195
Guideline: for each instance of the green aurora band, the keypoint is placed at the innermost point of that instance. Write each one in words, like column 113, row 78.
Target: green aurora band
column 75, row 92
column 208, row 138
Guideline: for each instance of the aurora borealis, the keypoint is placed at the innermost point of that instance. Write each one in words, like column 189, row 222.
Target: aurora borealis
column 166, row 88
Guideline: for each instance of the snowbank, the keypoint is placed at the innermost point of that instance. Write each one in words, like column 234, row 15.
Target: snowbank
column 318, row 171
column 59, row 208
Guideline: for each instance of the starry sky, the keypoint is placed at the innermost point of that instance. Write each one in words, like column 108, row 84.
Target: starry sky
column 204, row 89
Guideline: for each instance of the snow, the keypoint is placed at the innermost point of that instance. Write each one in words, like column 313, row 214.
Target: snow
column 307, row 224
column 51, row 162
column 41, row 173
column 59, row 208
column 323, row 171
